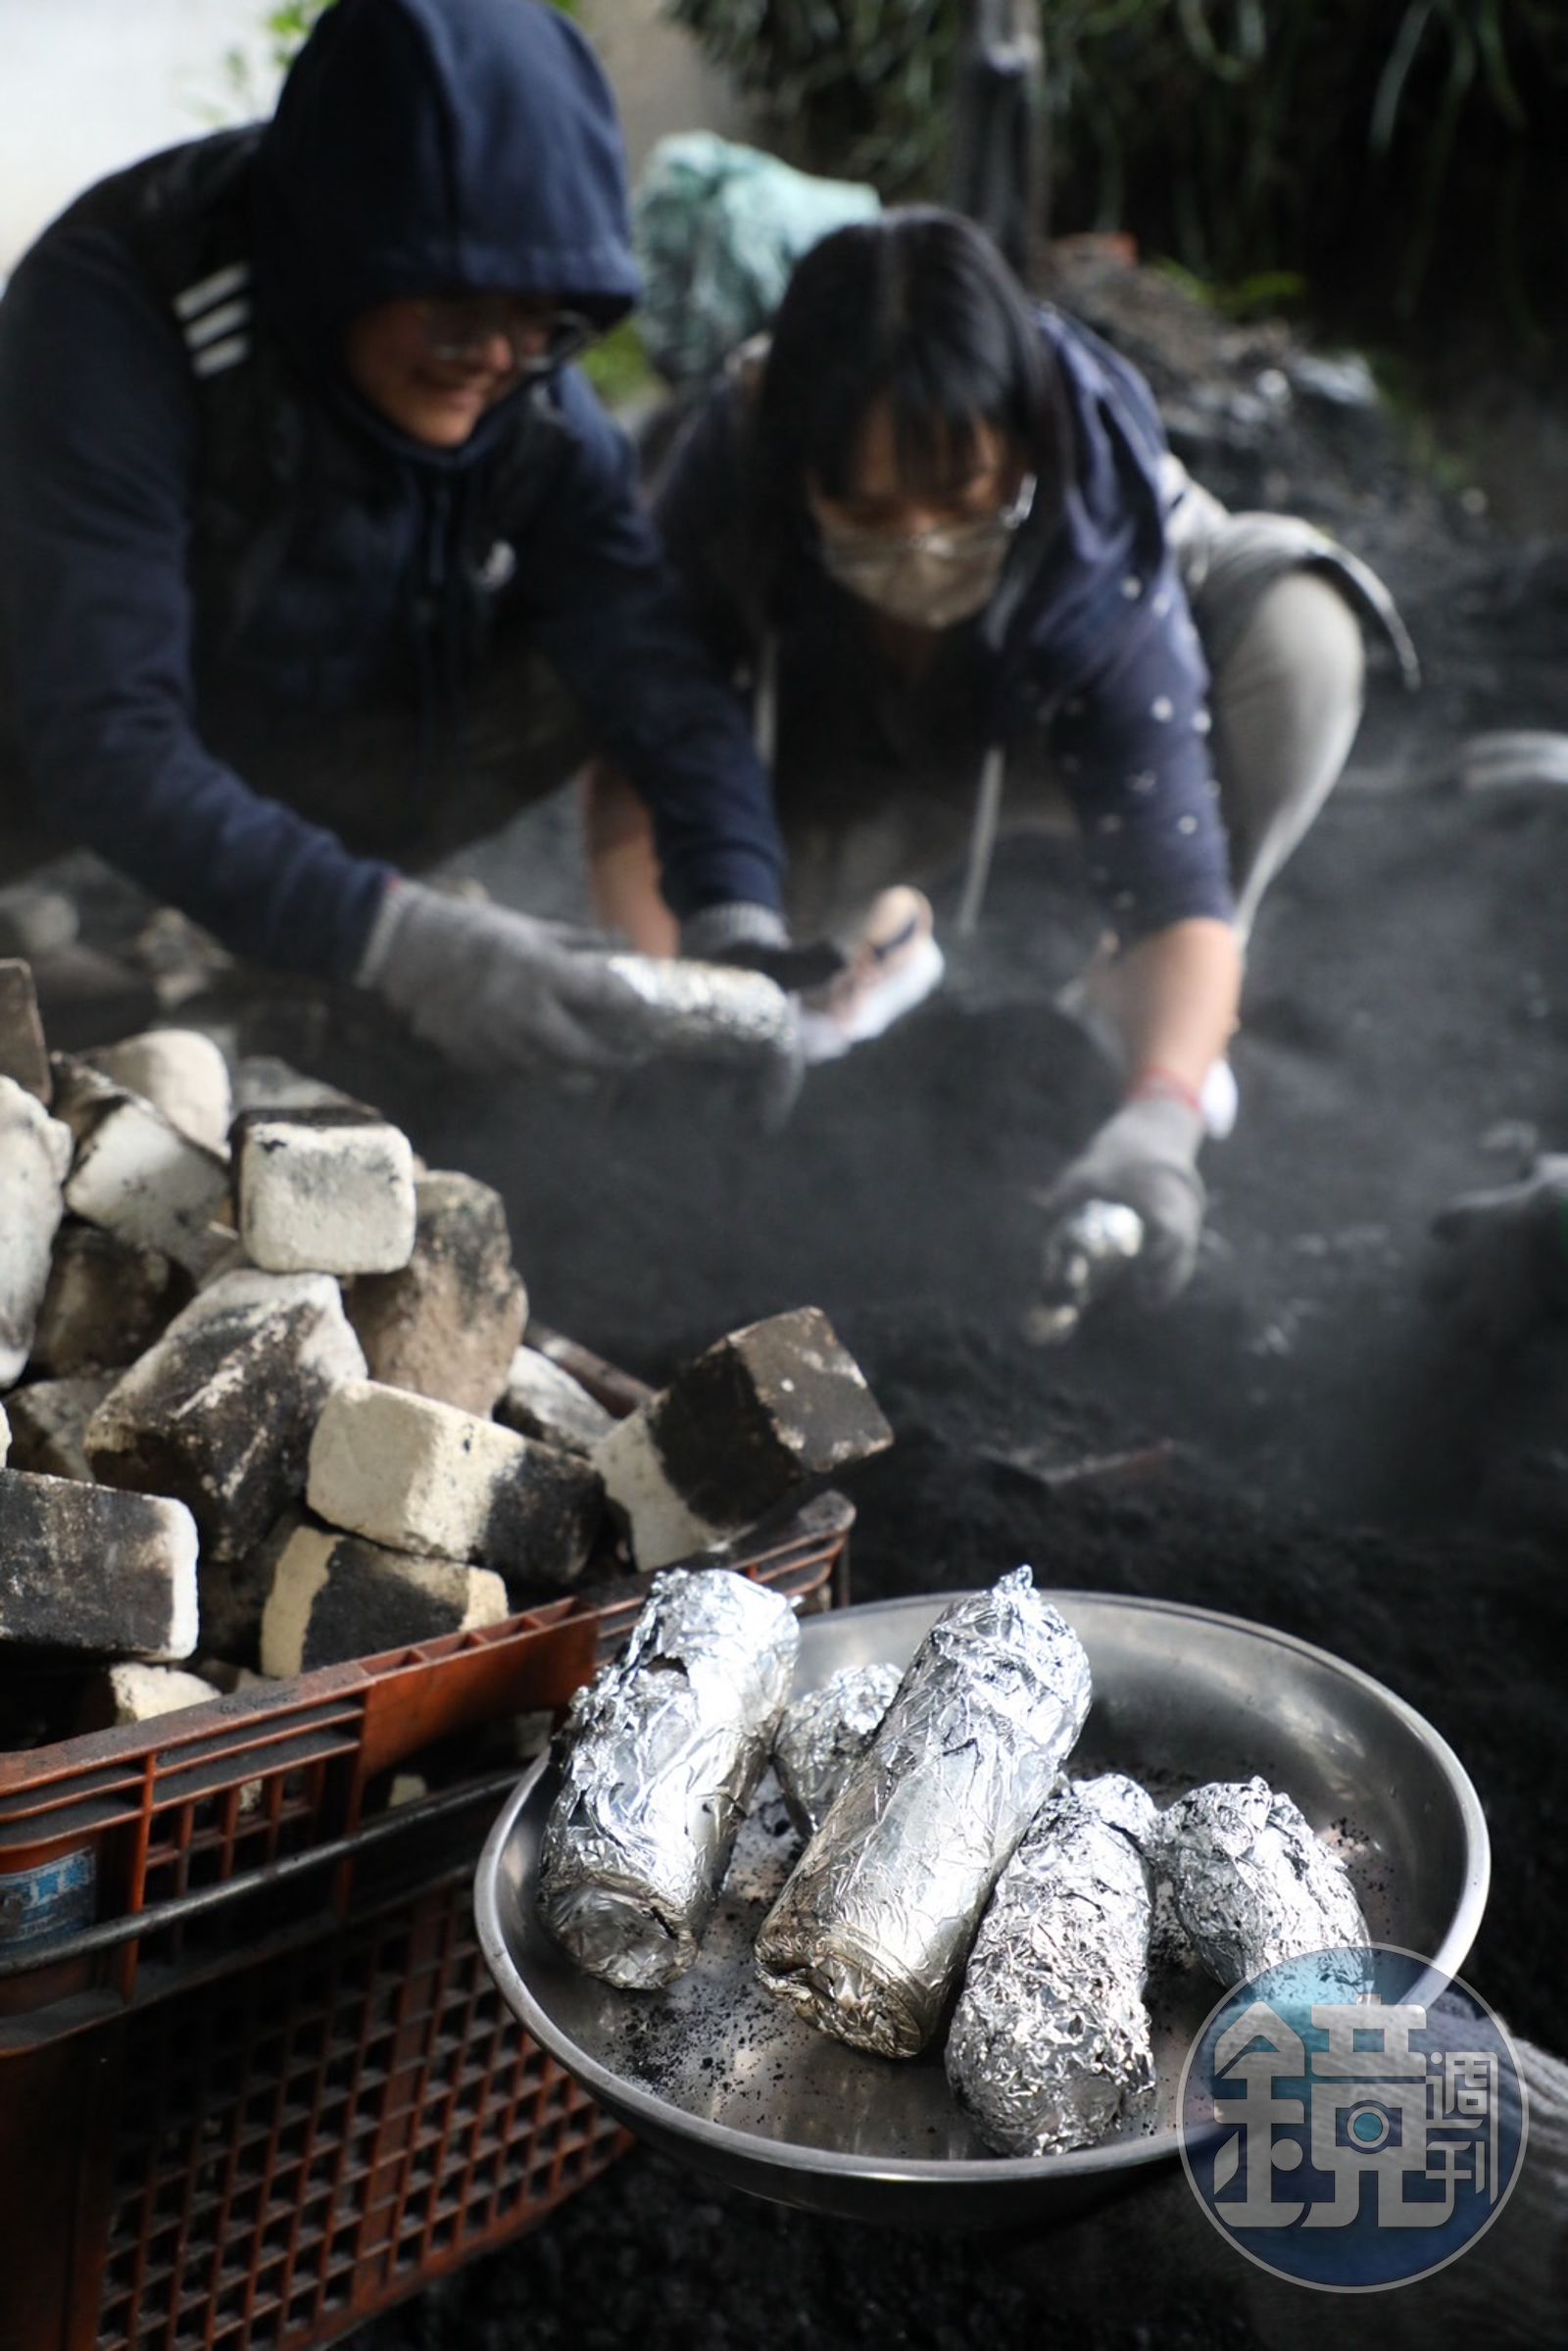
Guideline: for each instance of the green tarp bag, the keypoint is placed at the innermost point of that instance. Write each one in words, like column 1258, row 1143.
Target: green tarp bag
column 719, row 229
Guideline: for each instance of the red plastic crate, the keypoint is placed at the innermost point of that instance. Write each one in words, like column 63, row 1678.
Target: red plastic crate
column 284, row 2148
column 266, row 2134
column 271, row 2088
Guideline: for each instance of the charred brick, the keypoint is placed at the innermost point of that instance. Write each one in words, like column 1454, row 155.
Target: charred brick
column 746, row 1429
column 423, row 1477
column 336, row 1597
column 544, row 1400
column 49, row 1422
column 448, row 1324
column 106, row 1302
column 136, row 1175
column 34, row 1157
column 23, row 1054
column 181, row 1072
column 88, row 1569
column 219, row 1412
column 324, row 1191
column 233, row 1593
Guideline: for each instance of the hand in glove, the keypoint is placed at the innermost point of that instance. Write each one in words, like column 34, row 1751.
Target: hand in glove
column 1504, row 1255
column 1146, row 1158
column 490, row 988
column 757, row 939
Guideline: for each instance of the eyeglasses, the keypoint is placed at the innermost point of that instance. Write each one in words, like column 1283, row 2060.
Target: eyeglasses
column 954, row 539
column 458, row 327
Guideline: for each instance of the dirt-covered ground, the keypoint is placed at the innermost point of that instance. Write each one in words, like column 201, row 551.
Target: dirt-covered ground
column 1340, row 1465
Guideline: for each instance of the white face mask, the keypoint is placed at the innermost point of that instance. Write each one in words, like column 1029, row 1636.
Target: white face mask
column 935, row 579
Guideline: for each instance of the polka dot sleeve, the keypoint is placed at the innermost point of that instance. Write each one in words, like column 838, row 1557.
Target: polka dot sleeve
column 1131, row 747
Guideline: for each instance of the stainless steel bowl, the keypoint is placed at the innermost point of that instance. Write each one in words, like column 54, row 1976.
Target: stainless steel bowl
column 716, row 2072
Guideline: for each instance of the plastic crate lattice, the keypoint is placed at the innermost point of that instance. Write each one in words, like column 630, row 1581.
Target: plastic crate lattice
column 324, row 2131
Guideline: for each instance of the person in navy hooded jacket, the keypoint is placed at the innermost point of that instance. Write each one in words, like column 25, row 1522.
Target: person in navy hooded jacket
column 302, row 503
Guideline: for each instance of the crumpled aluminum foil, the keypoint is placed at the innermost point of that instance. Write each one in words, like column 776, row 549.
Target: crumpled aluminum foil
column 1050, row 2037
column 1252, row 1884
column 1085, row 1256
column 1170, row 1947
column 873, row 1925
column 710, row 1011
column 663, row 1753
column 825, row 1735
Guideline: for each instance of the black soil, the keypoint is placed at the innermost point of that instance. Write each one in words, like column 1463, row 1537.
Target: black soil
column 1338, row 1461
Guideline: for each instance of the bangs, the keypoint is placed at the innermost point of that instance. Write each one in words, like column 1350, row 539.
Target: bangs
column 936, row 414
column 937, row 406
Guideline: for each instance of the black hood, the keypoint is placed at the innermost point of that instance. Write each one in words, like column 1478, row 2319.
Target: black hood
column 439, row 147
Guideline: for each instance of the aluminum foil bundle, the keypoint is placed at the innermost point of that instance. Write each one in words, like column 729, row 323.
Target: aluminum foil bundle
column 825, row 1735
column 663, row 1753
column 1252, row 1884
column 1170, row 1947
column 716, row 1011
column 1049, row 2039
column 1086, row 1256
column 873, row 1925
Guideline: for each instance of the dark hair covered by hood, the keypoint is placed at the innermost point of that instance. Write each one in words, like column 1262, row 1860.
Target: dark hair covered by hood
column 439, row 147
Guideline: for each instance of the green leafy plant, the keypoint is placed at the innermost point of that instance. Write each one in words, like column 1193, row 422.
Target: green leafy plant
column 618, row 367
column 288, row 24
column 1406, row 151
column 286, row 27
column 1389, row 141
column 856, row 88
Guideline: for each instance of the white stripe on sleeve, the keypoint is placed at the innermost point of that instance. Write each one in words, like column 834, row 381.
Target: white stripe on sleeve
column 207, row 290
column 221, row 322
column 219, row 356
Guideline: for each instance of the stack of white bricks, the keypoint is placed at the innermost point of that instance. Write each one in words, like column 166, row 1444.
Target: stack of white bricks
column 182, row 1294
column 265, row 1393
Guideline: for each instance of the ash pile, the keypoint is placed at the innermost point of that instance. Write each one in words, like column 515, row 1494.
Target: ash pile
column 268, row 1401
column 1261, row 416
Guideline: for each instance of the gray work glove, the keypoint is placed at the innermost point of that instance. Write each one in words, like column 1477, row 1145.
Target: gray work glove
column 1502, row 1262
column 496, row 990
column 1147, row 1157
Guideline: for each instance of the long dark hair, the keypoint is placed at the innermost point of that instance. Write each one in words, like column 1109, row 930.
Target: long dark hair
column 920, row 309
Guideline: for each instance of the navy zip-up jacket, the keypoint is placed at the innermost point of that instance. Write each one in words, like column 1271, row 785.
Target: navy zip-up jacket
column 209, row 543
column 1089, row 642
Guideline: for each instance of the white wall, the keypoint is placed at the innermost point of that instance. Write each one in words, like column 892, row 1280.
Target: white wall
column 660, row 78
column 87, row 85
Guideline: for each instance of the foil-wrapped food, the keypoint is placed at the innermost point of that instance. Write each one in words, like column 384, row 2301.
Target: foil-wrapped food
column 712, row 1011
column 1086, row 1256
column 664, row 1752
column 825, row 1735
column 1050, row 2039
column 873, row 1925
column 1250, row 1882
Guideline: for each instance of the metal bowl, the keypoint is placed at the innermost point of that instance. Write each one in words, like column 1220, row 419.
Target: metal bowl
column 718, row 2073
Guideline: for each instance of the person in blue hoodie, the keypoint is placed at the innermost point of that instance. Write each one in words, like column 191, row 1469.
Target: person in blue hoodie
column 308, row 525
column 936, row 536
